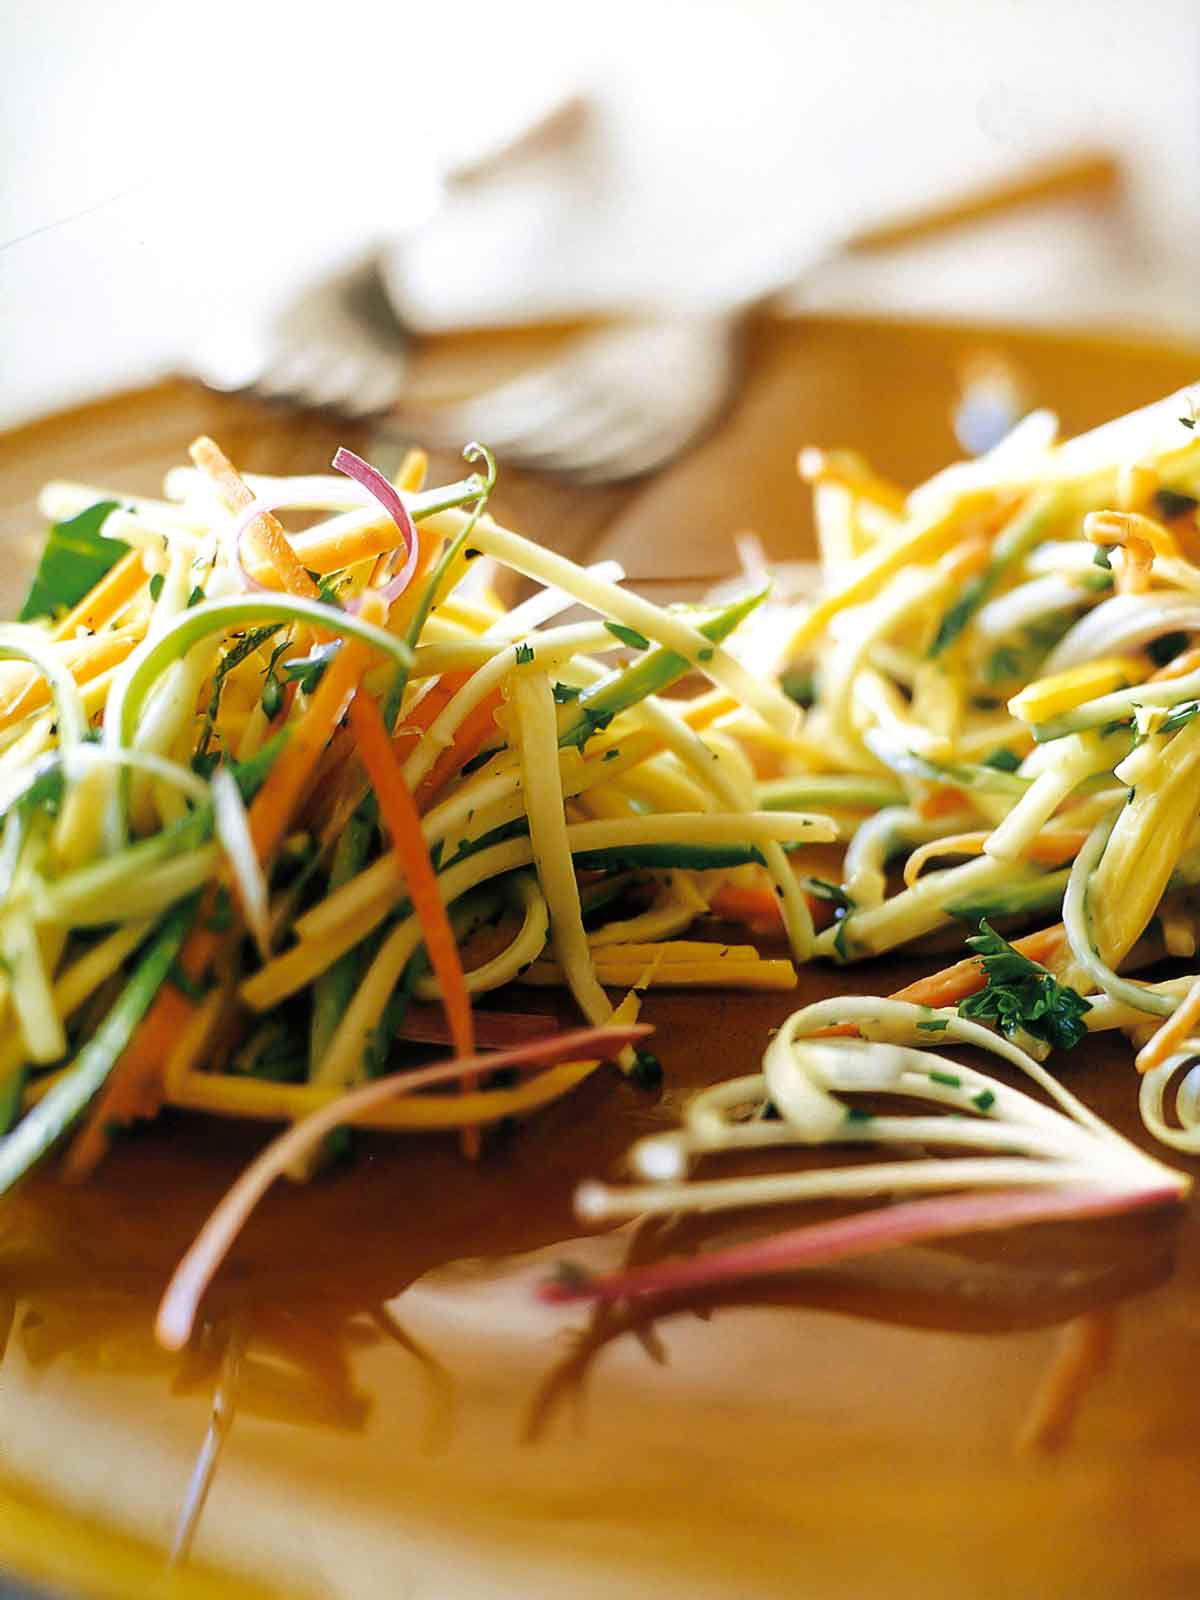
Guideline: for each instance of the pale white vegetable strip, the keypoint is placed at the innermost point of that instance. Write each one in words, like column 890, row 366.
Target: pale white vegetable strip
column 1152, row 1095
column 1075, row 758
column 1120, row 624
column 147, row 895
column 232, row 828
column 547, row 603
column 914, row 911
column 78, row 982
column 911, row 591
column 29, row 988
column 596, row 1203
column 60, row 501
column 771, row 704
column 863, row 873
column 1039, row 598
column 23, row 642
column 25, row 965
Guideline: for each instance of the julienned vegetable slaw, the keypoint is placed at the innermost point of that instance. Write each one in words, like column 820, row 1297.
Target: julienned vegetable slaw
column 263, row 793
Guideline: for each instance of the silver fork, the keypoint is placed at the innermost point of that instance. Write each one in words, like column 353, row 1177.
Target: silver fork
column 339, row 345
column 623, row 400
column 611, row 404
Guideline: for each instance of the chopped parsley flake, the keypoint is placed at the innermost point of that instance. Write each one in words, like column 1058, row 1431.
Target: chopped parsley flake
column 629, row 636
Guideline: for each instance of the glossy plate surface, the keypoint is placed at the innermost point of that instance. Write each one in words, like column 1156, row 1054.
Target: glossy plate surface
column 409, row 1420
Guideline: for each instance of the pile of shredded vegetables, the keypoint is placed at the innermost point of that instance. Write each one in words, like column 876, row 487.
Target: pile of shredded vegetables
column 276, row 801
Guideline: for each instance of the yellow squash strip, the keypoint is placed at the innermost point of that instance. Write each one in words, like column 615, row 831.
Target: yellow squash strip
column 671, row 974
column 931, row 537
column 1063, row 691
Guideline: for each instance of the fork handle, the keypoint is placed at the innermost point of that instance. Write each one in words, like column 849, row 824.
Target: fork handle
column 1079, row 173
column 1095, row 173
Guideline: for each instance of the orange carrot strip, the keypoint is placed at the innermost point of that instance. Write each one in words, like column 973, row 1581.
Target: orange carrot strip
column 403, row 822
column 952, row 984
column 472, row 734
column 102, row 602
column 759, row 909
column 273, row 807
column 267, row 530
column 941, row 801
column 1173, row 1031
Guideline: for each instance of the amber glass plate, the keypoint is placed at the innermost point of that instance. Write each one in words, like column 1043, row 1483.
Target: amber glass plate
column 1014, row 1419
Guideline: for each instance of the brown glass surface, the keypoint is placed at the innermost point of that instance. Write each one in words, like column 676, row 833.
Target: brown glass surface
column 411, row 1421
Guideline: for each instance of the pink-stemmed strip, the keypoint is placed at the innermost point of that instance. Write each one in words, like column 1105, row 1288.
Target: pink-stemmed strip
column 884, row 1228
column 374, row 482
column 494, row 1030
column 177, row 1311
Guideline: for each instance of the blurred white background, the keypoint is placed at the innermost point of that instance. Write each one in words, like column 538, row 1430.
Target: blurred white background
column 170, row 172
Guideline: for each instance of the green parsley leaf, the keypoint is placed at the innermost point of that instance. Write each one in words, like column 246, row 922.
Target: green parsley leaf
column 1003, row 664
column 629, row 636
column 1179, row 717
column 308, row 670
column 647, row 1070
column 155, row 585
column 959, row 614
column 74, row 560
column 1101, row 558
column 524, row 654
column 1166, row 647
column 1003, row 760
column 1170, row 503
column 798, row 684
column 1021, row 996
column 842, row 903
column 934, row 1025
column 564, row 693
column 272, row 697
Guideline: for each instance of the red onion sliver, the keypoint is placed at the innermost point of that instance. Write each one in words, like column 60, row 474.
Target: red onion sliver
column 374, row 482
column 882, row 1228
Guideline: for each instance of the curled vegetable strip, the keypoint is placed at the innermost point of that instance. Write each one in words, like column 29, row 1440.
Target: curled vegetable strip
column 177, row 1312
column 146, row 665
column 1078, row 923
column 376, row 484
column 1019, row 1146
column 18, row 643
column 1152, row 1098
